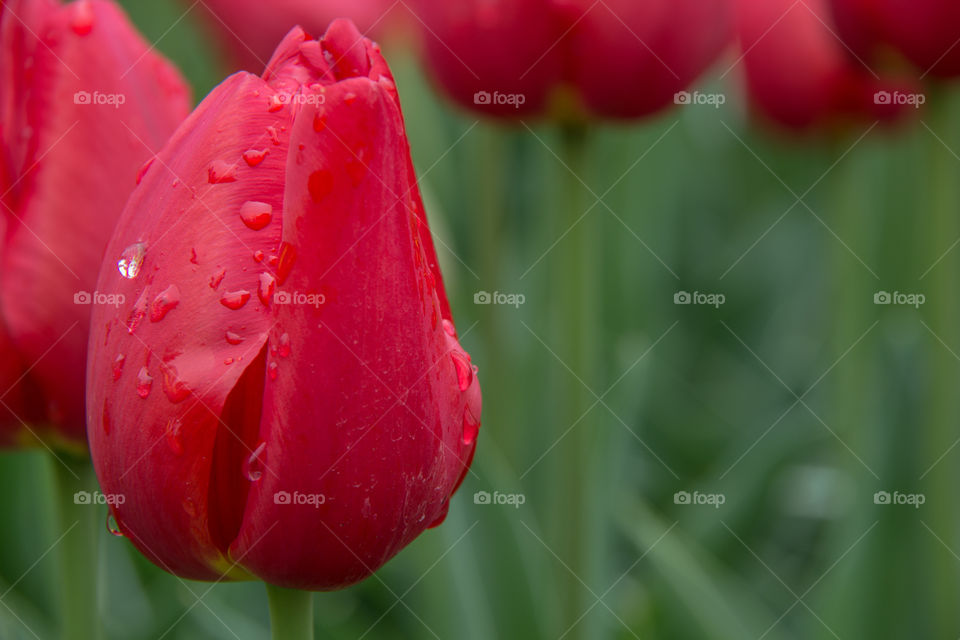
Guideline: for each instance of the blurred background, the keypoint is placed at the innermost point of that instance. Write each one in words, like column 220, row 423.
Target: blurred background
column 768, row 441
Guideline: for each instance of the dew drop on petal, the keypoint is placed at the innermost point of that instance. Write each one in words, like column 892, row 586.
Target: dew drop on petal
column 288, row 255
column 273, row 370
column 258, row 256
column 253, row 157
column 118, row 366
column 190, row 507
column 235, row 299
column 464, row 371
column 193, row 257
column 449, row 329
column 144, row 382
column 131, row 260
column 82, row 20
column 172, row 435
column 284, row 347
column 320, row 184
column 220, row 172
column 164, row 303
column 274, row 136
column 143, row 170
column 265, row 291
column 233, row 338
column 217, row 278
column 471, row 427
column 444, row 510
column 112, row 525
column 137, row 313
column 256, row 215
column 253, row 465
column 175, row 388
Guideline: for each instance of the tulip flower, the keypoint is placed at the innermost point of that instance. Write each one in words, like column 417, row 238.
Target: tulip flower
column 619, row 59
column 283, row 395
column 85, row 100
column 250, row 29
column 798, row 72
column 926, row 32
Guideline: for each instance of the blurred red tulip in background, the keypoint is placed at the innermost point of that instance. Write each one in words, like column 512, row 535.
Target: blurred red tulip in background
column 251, row 29
column 926, row 32
column 284, row 388
column 617, row 59
column 84, row 102
column 798, row 71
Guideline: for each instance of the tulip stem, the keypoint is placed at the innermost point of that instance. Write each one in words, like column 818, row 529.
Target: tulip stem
column 291, row 613
column 77, row 550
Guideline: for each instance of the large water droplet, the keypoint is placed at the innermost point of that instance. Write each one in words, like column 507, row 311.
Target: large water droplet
column 172, row 435
column 253, row 157
column 320, row 184
column 253, row 465
column 164, row 303
column 82, row 20
column 131, row 260
column 144, row 382
column 461, row 363
column 233, row 338
column 235, row 299
column 471, row 427
column 265, row 291
column 118, row 366
column 112, row 525
column 256, row 215
column 220, row 172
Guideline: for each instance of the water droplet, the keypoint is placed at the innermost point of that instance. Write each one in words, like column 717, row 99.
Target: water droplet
column 288, row 255
column 253, row 465
column 190, row 507
column 118, row 366
column 273, row 370
column 174, row 427
column 253, row 157
column 449, row 329
column 217, row 278
column 284, row 348
column 164, row 303
column 256, row 215
column 319, row 122
column 144, row 382
column 356, row 170
column 275, row 104
column 461, row 363
column 112, row 525
column 220, row 172
column 320, row 184
column 235, row 299
column 137, row 313
column 349, row 98
column 471, row 427
column 265, row 291
column 228, row 361
column 143, row 170
column 82, row 20
column 131, row 260
column 274, row 136
column 444, row 510
column 233, row 338
column 273, row 261
column 175, row 389
column 193, row 256
column 258, row 256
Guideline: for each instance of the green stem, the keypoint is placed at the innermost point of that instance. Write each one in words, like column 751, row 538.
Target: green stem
column 80, row 522
column 291, row 613
column 577, row 290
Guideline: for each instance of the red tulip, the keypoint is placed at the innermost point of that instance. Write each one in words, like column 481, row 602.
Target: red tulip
column 84, row 101
column 618, row 58
column 249, row 30
column 283, row 396
column 926, row 32
column 799, row 73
